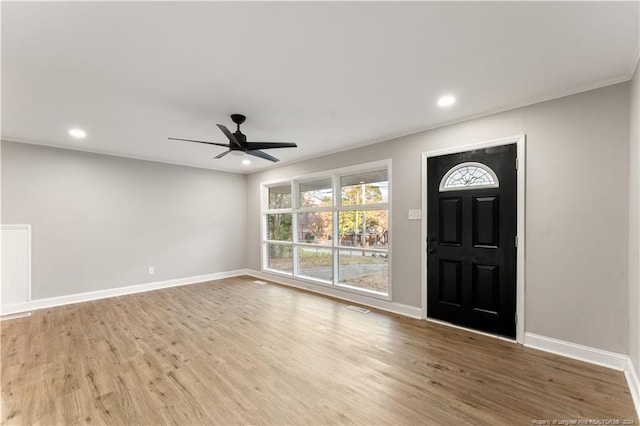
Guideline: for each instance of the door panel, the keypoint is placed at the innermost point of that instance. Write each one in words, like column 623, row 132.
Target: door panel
column 450, row 282
column 486, row 291
column 450, row 221
column 471, row 260
column 486, row 222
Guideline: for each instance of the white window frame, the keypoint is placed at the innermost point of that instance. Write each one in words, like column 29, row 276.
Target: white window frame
column 334, row 209
column 264, row 242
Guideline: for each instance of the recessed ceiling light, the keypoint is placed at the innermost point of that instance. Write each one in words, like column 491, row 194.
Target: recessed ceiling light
column 78, row 133
column 446, row 100
column 246, row 161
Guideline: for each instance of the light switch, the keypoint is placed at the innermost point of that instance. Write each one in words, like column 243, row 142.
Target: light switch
column 415, row 214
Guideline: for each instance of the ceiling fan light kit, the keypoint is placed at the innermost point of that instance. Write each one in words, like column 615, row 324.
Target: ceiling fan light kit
column 238, row 144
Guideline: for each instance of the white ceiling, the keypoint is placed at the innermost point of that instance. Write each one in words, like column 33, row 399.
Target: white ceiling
column 327, row 75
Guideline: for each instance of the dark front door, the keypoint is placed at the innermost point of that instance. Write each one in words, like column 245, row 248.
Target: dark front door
column 471, row 239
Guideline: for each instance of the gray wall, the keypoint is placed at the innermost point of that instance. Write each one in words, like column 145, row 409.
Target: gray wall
column 577, row 209
column 99, row 221
column 577, row 215
column 634, row 225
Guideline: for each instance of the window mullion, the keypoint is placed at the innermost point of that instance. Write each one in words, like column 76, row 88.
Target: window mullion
column 277, row 211
column 380, row 206
column 337, row 200
column 294, row 239
column 315, row 210
column 295, row 201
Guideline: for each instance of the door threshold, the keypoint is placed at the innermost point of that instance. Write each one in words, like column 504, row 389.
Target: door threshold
column 471, row 330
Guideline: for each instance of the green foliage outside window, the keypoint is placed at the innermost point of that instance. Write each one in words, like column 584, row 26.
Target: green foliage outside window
column 279, row 227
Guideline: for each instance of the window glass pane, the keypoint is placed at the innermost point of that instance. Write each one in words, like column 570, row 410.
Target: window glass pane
column 468, row 176
column 316, row 193
column 315, row 228
column 280, row 197
column 364, row 188
column 279, row 227
column 315, row 262
column 373, row 224
column 364, row 270
column 279, row 257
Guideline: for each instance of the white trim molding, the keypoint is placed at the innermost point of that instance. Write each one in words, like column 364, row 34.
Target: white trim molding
column 14, row 316
column 113, row 292
column 633, row 380
column 588, row 354
column 384, row 305
column 520, row 141
column 591, row 355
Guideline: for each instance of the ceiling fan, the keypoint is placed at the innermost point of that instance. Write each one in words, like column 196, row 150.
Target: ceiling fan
column 238, row 142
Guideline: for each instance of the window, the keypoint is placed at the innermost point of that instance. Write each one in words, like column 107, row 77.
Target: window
column 279, row 229
column 364, row 188
column 468, row 176
column 316, row 193
column 280, row 197
column 332, row 228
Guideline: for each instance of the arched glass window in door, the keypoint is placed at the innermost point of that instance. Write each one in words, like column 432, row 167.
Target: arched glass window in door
column 469, row 175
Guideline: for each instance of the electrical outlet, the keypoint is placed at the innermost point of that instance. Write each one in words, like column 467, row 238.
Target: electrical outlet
column 415, row 214
column 152, row 270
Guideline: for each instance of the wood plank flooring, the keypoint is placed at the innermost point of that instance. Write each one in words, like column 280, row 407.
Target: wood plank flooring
column 234, row 352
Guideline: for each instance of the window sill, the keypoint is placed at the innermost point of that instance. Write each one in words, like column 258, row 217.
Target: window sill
column 337, row 287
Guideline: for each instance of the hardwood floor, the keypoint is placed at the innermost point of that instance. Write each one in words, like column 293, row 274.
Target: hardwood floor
column 234, row 352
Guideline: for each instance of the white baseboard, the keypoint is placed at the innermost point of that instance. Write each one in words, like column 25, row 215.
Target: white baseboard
column 634, row 384
column 396, row 308
column 14, row 316
column 591, row 355
column 112, row 292
column 573, row 350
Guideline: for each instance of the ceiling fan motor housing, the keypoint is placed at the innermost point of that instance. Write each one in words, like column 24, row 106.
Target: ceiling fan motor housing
column 240, row 137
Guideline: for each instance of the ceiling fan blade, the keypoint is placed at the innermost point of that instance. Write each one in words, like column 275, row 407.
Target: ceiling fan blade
column 208, row 143
column 223, row 154
column 269, row 145
column 229, row 135
column 264, row 155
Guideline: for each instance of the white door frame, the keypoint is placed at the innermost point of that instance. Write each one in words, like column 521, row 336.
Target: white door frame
column 519, row 140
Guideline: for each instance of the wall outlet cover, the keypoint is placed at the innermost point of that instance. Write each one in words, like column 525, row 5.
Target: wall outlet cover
column 415, row 214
